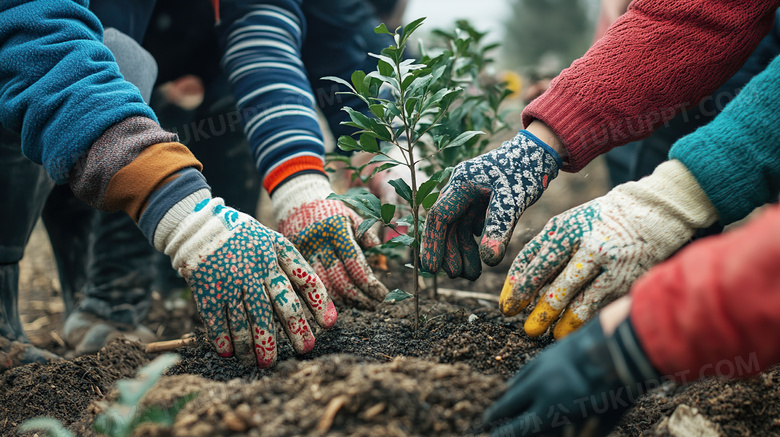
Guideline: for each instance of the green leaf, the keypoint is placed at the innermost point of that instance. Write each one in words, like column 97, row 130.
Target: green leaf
column 393, row 110
column 382, row 28
column 388, row 211
column 385, row 68
column 360, row 120
column 383, row 158
column 164, row 416
column 442, row 175
column 429, row 200
column 386, row 59
column 405, row 221
column 360, row 199
column 348, row 144
column 52, row 427
column 383, row 167
column 463, row 138
column 364, row 226
column 425, row 189
column 368, row 143
column 377, row 109
column 410, row 103
column 340, row 81
column 132, row 390
column 397, row 295
column 402, row 188
column 410, row 28
column 357, row 81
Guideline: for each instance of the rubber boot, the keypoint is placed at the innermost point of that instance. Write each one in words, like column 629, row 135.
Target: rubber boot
column 15, row 349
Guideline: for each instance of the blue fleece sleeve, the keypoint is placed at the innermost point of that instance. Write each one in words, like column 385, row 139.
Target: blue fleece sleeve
column 59, row 85
column 736, row 157
column 262, row 43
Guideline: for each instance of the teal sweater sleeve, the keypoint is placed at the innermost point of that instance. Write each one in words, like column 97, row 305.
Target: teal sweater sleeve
column 59, row 85
column 736, row 157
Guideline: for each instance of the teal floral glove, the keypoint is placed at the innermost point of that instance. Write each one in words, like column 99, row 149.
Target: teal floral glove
column 324, row 231
column 241, row 274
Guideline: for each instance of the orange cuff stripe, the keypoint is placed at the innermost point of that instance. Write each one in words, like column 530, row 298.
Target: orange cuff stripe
column 129, row 189
column 289, row 168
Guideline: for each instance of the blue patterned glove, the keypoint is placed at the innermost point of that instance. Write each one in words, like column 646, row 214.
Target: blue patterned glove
column 486, row 195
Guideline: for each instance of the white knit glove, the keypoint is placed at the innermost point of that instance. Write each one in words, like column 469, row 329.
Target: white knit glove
column 242, row 274
column 590, row 255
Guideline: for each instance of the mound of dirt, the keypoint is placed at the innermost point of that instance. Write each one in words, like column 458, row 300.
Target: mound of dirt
column 335, row 395
column 64, row 389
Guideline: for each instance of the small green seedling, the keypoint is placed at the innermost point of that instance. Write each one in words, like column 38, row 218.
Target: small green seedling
column 428, row 117
column 416, row 106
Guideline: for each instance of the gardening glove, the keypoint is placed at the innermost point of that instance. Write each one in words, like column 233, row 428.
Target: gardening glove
column 324, row 231
column 241, row 274
column 486, row 195
column 579, row 386
column 590, row 255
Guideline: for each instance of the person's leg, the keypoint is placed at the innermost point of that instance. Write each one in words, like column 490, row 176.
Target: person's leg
column 68, row 222
column 24, row 187
column 119, row 264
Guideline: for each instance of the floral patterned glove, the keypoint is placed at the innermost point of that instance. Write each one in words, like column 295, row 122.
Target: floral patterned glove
column 590, row 255
column 486, row 195
column 241, row 274
column 324, row 231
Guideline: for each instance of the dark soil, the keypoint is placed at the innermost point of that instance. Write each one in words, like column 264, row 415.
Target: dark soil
column 749, row 407
column 64, row 389
column 490, row 344
column 369, row 375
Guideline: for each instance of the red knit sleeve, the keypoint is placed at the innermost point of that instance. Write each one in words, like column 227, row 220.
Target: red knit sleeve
column 655, row 60
column 714, row 308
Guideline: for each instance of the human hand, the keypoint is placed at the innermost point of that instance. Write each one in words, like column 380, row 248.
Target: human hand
column 590, row 255
column 324, row 231
column 241, row 274
column 486, row 195
column 580, row 386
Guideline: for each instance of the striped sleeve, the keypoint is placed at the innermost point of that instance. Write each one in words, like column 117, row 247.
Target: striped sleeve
column 262, row 57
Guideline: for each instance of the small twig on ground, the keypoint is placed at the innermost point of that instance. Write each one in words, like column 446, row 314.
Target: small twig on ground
column 330, row 412
column 467, row 294
column 165, row 346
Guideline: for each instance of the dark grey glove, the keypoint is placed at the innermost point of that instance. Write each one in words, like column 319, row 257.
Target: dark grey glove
column 579, row 386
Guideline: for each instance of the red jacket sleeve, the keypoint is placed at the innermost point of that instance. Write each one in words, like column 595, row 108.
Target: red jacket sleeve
column 714, row 308
column 655, row 60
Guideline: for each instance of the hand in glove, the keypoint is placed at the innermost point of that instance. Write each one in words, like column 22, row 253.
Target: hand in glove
column 486, row 195
column 590, row 255
column 241, row 274
column 324, row 231
column 579, row 386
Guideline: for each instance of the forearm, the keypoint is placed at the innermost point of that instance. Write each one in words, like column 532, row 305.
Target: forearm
column 717, row 301
column 59, row 85
column 262, row 56
column 639, row 75
column 735, row 158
